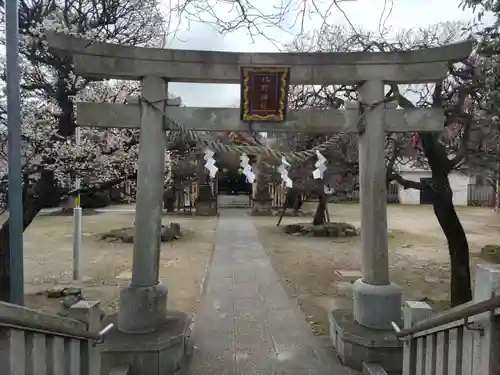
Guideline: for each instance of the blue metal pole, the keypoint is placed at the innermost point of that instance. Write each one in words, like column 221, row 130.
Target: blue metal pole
column 14, row 153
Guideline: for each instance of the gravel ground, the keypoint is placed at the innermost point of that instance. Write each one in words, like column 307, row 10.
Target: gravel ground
column 106, row 266
column 319, row 271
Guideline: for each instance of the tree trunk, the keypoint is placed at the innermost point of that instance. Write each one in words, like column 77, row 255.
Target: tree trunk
column 458, row 247
column 32, row 204
column 169, row 205
column 169, row 196
column 320, row 214
column 297, row 204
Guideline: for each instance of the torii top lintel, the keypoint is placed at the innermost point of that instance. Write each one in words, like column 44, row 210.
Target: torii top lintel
column 106, row 60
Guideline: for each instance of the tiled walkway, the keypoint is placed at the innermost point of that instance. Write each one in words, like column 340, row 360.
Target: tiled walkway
column 246, row 324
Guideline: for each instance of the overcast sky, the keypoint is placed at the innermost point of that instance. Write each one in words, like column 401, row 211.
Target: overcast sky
column 366, row 13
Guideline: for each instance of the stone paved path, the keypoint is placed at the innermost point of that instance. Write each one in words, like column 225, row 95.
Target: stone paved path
column 246, row 324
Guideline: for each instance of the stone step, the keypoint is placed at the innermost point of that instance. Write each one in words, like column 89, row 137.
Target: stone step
column 120, row 370
column 373, row 369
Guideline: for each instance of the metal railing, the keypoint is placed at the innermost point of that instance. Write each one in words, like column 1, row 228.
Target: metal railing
column 33, row 342
column 464, row 312
column 460, row 341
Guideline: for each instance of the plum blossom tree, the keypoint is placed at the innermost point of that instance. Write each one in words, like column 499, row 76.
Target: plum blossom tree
column 464, row 144
column 468, row 132
column 49, row 89
column 487, row 162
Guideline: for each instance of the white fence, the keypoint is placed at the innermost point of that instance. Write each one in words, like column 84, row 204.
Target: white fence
column 459, row 341
column 35, row 343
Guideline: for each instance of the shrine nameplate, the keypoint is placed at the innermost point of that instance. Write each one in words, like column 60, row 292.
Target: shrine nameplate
column 264, row 93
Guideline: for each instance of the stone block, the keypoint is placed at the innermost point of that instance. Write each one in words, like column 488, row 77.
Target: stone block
column 350, row 274
column 376, row 306
column 356, row 344
column 160, row 352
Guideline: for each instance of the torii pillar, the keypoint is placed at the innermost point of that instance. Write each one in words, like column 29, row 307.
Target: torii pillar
column 143, row 305
column 377, row 302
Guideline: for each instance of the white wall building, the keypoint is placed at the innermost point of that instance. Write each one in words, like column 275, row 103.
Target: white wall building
column 459, row 184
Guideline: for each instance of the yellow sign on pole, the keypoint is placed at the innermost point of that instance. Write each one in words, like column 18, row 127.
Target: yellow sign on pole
column 77, row 201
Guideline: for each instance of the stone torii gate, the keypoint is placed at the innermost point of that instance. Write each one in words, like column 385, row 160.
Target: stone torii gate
column 142, row 329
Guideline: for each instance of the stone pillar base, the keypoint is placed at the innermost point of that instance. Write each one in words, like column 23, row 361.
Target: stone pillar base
column 356, row 344
column 376, row 306
column 203, row 208
column 142, row 309
column 160, row 352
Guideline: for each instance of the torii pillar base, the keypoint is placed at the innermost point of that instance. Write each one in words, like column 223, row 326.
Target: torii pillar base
column 356, row 344
column 160, row 352
column 365, row 334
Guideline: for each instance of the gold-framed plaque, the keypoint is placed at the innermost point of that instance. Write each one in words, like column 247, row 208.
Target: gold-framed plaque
column 264, row 93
